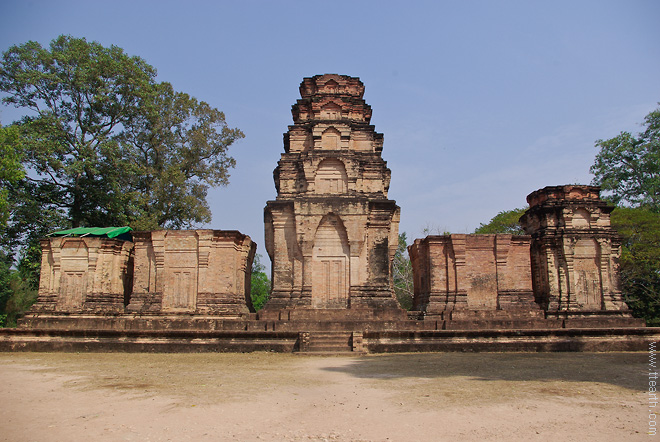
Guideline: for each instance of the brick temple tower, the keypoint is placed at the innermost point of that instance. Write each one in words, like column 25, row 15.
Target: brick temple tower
column 331, row 233
column 575, row 252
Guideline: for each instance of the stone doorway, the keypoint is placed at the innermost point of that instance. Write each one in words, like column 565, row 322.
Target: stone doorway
column 330, row 265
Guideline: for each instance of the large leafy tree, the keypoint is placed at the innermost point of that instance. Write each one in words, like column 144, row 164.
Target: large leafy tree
column 80, row 96
column 113, row 146
column 103, row 144
column 17, row 286
column 176, row 149
column 627, row 167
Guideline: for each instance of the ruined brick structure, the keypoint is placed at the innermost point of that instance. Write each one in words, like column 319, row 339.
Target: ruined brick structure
column 567, row 267
column 575, row 252
column 331, row 233
column 84, row 274
column 192, row 271
column 185, row 273
column 472, row 272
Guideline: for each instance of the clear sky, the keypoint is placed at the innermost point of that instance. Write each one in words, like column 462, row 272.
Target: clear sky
column 480, row 102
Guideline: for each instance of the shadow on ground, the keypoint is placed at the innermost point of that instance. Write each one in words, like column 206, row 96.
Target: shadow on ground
column 627, row 370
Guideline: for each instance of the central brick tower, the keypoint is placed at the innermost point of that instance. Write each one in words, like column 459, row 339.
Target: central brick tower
column 331, row 233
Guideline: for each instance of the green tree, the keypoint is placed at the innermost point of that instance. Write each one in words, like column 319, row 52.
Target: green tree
column 81, row 95
column 504, row 222
column 640, row 260
column 402, row 274
column 11, row 169
column 18, row 236
column 105, row 145
column 112, row 145
column 21, row 299
column 176, row 151
column 627, row 167
column 260, row 284
column 5, row 289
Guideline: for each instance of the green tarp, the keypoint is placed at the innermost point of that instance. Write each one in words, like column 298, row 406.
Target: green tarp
column 110, row 232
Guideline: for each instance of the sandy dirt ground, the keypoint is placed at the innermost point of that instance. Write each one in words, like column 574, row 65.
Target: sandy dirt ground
column 280, row 397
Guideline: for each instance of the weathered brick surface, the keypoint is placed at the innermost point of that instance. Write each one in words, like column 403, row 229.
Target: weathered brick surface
column 472, row 272
column 575, row 252
column 567, row 267
column 331, row 233
column 82, row 275
column 192, row 271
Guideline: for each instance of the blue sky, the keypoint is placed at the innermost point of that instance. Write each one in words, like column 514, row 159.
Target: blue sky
column 480, row 102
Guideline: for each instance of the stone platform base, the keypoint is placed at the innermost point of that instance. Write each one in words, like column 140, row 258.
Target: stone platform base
column 548, row 340
column 327, row 331
column 542, row 340
column 164, row 341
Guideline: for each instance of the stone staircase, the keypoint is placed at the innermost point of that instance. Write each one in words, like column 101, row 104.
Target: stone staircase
column 320, row 342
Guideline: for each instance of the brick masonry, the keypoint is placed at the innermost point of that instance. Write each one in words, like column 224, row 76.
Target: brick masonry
column 331, row 233
column 575, row 252
column 87, row 274
column 472, row 272
column 192, row 272
column 164, row 272
column 567, row 266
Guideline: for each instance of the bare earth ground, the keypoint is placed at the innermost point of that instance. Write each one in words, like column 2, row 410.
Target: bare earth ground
column 282, row 397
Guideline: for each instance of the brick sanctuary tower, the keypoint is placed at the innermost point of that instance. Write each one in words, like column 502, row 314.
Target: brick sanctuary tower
column 575, row 252
column 331, row 233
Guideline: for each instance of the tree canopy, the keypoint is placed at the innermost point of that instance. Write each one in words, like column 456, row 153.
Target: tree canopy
column 504, row 222
column 11, row 169
column 109, row 145
column 640, row 260
column 101, row 143
column 627, row 167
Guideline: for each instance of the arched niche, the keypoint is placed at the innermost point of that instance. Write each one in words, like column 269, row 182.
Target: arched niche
column 331, row 177
column 331, row 111
column 330, row 139
column 330, row 264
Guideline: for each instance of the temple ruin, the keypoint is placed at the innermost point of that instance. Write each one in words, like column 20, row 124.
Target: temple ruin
column 192, row 272
column 331, row 234
column 89, row 274
column 472, row 272
column 575, row 253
